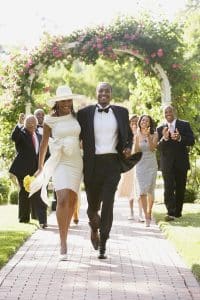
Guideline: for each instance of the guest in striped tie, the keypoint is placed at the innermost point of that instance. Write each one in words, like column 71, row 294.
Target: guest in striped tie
column 174, row 137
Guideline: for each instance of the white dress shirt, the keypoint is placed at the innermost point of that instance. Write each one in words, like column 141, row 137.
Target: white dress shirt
column 105, row 132
column 36, row 143
column 172, row 126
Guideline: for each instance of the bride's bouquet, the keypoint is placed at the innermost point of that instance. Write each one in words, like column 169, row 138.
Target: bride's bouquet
column 27, row 182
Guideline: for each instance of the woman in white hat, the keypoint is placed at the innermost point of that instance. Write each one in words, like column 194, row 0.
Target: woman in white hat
column 61, row 133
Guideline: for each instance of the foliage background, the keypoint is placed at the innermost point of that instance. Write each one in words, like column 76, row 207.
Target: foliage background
column 175, row 45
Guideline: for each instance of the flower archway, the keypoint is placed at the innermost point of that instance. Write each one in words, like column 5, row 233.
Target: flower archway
column 155, row 46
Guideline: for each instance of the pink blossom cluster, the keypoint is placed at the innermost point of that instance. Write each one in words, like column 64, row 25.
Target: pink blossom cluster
column 57, row 52
column 176, row 66
column 29, row 63
column 130, row 37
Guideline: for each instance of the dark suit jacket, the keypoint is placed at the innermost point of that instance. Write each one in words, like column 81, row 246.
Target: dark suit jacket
column 26, row 160
column 85, row 117
column 174, row 154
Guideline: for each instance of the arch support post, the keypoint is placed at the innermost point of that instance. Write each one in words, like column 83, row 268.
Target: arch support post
column 164, row 83
column 160, row 73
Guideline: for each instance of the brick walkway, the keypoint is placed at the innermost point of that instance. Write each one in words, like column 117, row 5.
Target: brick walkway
column 141, row 264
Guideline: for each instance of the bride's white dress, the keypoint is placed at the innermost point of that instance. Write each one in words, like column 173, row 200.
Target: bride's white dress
column 65, row 163
column 65, row 140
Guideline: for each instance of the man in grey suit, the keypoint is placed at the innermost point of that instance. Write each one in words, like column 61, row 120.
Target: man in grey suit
column 174, row 137
column 105, row 133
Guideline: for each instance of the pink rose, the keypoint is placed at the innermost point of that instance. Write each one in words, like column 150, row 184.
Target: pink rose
column 160, row 52
column 153, row 54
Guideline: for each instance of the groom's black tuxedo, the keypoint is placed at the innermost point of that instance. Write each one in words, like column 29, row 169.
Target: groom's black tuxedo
column 102, row 171
column 26, row 163
column 174, row 163
column 86, row 119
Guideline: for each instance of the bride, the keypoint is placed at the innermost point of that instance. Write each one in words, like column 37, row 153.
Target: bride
column 61, row 133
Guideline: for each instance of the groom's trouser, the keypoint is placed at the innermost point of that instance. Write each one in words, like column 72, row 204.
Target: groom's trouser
column 101, row 190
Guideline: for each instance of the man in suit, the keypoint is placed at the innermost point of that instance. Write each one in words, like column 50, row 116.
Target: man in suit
column 174, row 138
column 27, row 142
column 39, row 114
column 105, row 132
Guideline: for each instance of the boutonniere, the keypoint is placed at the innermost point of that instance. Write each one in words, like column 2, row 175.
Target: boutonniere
column 27, row 182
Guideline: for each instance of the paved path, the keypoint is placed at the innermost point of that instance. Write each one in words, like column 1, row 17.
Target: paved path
column 141, row 264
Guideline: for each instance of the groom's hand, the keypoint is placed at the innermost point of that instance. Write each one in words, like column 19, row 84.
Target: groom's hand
column 127, row 152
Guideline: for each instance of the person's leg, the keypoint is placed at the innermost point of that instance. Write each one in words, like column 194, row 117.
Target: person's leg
column 109, row 187
column 140, row 209
column 145, row 209
column 131, row 215
column 24, row 204
column 76, row 212
column 66, row 201
column 93, row 199
column 169, row 192
column 40, row 209
column 150, row 201
column 180, row 178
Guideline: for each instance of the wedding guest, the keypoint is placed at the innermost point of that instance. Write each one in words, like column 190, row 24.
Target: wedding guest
column 146, row 170
column 174, row 137
column 39, row 114
column 61, row 133
column 27, row 142
column 126, row 187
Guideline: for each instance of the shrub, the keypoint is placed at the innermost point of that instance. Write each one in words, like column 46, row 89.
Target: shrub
column 4, row 190
column 190, row 196
column 13, row 198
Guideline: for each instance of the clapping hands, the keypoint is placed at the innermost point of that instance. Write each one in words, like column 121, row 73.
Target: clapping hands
column 176, row 135
column 165, row 133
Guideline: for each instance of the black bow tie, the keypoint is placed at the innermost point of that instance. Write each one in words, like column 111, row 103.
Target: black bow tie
column 39, row 126
column 106, row 110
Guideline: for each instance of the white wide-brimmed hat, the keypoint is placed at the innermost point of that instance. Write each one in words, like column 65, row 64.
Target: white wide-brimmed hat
column 63, row 93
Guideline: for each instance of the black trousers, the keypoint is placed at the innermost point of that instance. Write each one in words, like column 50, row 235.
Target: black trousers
column 174, row 190
column 34, row 202
column 101, row 190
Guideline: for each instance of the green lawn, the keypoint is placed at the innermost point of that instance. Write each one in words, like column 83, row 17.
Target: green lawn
column 12, row 233
column 184, row 233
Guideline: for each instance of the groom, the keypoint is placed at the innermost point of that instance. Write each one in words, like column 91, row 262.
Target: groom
column 105, row 133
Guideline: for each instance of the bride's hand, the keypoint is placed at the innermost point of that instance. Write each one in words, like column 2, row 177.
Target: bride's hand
column 37, row 173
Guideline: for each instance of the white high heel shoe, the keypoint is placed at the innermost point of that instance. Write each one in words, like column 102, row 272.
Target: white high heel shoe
column 148, row 222
column 63, row 257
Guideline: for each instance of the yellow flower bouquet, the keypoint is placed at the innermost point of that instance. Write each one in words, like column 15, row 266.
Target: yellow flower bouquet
column 27, row 182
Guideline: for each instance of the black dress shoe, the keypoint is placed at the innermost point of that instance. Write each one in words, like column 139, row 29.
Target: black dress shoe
column 42, row 226
column 102, row 256
column 94, row 239
column 102, row 249
column 24, row 221
column 178, row 215
column 169, row 218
